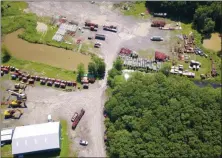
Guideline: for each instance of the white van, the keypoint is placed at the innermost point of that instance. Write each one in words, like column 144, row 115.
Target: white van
column 50, row 118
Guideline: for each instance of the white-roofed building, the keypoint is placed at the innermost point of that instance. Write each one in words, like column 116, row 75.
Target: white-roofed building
column 36, row 138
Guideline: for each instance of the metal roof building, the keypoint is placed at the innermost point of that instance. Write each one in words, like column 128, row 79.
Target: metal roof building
column 36, row 138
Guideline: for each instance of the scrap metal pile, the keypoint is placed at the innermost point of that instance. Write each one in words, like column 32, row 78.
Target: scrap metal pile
column 140, row 63
column 188, row 43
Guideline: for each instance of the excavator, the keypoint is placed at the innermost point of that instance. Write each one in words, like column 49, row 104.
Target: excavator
column 20, row 95
column 14, row 114
column 17, row 103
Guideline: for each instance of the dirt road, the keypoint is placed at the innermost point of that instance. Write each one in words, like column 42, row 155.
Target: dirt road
column 42, row 101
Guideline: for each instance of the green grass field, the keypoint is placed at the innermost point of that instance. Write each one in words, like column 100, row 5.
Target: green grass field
column 135, row 9
column 42, row 69
column 6, row 151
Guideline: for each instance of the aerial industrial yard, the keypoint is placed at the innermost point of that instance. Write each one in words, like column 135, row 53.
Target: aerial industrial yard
column 73, row 35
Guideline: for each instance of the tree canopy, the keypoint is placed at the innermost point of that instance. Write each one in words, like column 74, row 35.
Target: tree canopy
column 97, row 67
column 151, row 115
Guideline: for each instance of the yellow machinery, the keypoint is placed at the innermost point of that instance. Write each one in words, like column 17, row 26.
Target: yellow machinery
column 16, row 103
column 16, row 114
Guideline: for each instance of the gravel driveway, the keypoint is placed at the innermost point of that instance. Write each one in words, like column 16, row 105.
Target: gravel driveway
column 42, row 101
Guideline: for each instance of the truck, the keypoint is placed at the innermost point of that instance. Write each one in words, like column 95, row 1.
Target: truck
column 110, row 28
column 100, row 37
column 158, row 23
column 156, row 38
column 77, row 119
column 89, row 24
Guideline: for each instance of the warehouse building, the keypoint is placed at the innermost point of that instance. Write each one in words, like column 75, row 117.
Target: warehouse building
column 36, row 138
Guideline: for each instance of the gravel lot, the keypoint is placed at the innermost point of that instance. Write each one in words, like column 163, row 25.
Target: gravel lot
column 42, row 101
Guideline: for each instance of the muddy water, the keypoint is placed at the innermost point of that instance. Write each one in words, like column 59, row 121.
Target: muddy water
column 214, row 43
column 57, row 57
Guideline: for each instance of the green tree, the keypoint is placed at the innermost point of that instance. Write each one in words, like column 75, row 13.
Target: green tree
column 162, row 116
column 118, row 64
column 92, row 69
column 80, row 71
column 6, row 55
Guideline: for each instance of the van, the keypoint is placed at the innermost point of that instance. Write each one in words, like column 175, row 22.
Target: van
column 50, row 118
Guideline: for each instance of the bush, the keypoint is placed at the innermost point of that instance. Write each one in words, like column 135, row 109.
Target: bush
column 6, row 55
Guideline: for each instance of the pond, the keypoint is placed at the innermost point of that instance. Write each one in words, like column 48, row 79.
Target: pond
column 204, row 84
column 41, row 53
column 214, row 43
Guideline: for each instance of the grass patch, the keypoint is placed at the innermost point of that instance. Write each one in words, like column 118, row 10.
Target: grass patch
column 6, row 151
column 206, row 62
column 14, row 18
column 42, row 69
column 66, row 143
column 135, row 9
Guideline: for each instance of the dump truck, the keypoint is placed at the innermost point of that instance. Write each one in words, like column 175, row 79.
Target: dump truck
column 77, row 119
column 15, row 114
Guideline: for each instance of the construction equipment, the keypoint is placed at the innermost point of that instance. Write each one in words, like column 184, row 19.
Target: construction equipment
column 77, row 119
column 15, row 114
column 20, row 95
column 16, row 103
column 20, row 86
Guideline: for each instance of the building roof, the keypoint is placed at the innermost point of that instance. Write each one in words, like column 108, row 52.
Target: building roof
column 6, row 132
column 37, row 137
column 6, row 137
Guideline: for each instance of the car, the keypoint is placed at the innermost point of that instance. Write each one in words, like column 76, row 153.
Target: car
column 83, row 142
column 2, row 144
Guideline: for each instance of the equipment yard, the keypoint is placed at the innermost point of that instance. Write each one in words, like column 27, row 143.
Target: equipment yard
column 109, row 31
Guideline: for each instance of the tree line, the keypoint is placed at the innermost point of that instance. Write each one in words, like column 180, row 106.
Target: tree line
column 205, row 16
column 152, row 115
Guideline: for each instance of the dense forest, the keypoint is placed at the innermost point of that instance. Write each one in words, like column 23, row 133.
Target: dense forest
column 151, row 115
column 205, row 16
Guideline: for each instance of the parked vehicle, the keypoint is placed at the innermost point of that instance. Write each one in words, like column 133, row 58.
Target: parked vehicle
column 100, row 37
column 77, row 119
column 156, row 38
column 50, row 118
column 74, row 116
column 83, row 142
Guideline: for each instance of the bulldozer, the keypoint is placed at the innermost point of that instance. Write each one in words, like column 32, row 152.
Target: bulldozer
column 14, row 114
column 17, row 103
